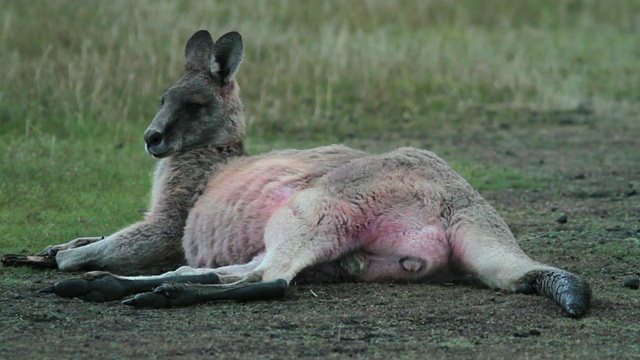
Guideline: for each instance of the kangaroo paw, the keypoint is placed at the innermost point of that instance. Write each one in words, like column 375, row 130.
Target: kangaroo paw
column 52, row 250
column 570, row 291
column 35, row 261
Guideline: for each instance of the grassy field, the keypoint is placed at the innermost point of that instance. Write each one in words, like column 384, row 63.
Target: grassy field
column 521, row 97
column 81, row 81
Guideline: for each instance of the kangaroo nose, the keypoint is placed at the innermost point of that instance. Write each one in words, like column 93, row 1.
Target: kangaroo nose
column 153, row 138
column 155, row 144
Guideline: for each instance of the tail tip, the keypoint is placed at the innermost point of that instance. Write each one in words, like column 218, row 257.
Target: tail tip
column 48, row 290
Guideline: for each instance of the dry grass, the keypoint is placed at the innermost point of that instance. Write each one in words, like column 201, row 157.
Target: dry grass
column 324, row 69
column 82, row 78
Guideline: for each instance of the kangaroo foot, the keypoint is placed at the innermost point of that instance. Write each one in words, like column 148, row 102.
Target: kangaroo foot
column 183, row 294
column 103, row 286
column 354, row 263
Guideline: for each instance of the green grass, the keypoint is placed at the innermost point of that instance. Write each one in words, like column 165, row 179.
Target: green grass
column 64, row 190
column 81, row 81
column 494, row 177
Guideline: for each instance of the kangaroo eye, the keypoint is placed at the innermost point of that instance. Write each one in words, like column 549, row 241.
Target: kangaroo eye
column 161, row 101
column 193, row 107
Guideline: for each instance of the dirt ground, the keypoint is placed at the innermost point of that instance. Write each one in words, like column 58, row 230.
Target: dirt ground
column 589, row 173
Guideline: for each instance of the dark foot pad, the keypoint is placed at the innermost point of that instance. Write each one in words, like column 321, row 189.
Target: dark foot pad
column 174, row 294
column 36, row 261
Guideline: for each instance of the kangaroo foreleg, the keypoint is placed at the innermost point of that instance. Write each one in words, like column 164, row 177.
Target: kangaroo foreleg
column 47, row 257
column 52, row 250
column 143, row 248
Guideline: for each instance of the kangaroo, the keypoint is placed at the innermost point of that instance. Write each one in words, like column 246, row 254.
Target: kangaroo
column 226, row 225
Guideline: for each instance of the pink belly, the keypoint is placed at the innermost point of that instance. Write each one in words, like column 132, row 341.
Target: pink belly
column 401, row 249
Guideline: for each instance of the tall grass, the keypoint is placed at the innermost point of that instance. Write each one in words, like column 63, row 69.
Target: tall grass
column 69, row 65
column 80, row 81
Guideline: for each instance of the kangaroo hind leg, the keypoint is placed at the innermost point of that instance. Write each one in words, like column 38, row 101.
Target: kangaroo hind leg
column 295, row 239
column 484, row 246
column 101, row 286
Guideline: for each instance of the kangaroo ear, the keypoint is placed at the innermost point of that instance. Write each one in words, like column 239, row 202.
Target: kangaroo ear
column 198, row 51
column 227, row 56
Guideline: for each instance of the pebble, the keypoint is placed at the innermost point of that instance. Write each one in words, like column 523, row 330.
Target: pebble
column 632, row 283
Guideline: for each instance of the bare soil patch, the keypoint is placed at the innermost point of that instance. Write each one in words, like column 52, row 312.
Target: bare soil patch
column 591, row 174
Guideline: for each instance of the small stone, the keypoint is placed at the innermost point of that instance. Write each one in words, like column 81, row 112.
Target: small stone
column 562, row 219
column 533, row 332
column 632, row 283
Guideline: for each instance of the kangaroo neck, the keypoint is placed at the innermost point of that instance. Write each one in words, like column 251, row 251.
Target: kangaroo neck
column 181, row 178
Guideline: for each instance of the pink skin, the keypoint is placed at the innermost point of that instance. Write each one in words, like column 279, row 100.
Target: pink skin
column 397, row 240
column 380, row 222
column 213, row 236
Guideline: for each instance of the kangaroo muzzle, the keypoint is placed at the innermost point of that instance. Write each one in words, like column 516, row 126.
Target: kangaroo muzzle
column 154, row 143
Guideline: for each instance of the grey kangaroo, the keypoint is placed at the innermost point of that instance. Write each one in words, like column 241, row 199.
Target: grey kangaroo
column 233, row 226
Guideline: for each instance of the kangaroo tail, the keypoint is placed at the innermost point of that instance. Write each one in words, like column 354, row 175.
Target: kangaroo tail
column 570, row 291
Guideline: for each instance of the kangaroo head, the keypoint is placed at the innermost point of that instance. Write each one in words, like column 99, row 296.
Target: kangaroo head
column 203, row 107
